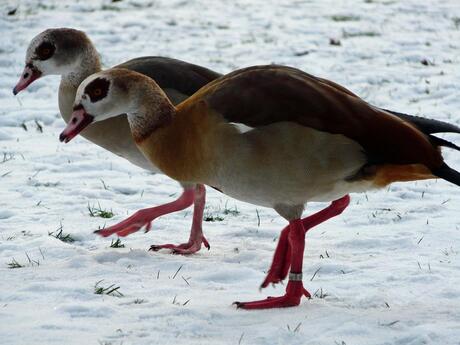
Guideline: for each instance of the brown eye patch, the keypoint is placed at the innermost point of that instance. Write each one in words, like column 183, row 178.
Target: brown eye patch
column 97, row 89
column 45, row 50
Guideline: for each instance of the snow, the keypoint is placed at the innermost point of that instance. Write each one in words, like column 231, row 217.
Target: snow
column 388, row 269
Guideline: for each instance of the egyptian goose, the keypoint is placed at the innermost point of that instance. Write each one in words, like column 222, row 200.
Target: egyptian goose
column 273, row 136
column 71, row 54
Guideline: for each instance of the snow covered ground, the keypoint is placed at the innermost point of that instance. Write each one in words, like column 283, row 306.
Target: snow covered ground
column 387, row 270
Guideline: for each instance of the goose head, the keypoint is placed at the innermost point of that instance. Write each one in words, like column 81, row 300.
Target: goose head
column 58, row 51
column 100, row 96
column 119, row 91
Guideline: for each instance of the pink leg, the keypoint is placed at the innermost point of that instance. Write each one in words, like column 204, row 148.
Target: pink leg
column 196, row 234
column 294, row 289
column 281, row 260
column 282, row 257
column 144, row 218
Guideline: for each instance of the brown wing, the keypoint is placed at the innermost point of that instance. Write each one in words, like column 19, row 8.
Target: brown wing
column 261, row 95
column 171, row 73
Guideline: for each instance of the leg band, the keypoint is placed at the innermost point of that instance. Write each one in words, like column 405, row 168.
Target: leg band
column 295, row 277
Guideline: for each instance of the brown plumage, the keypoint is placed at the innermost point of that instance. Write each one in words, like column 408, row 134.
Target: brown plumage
column 277, row 137
column 71, row 54
column 261, row 95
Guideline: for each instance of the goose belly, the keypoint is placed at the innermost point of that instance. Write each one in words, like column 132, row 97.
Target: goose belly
column 289, row 164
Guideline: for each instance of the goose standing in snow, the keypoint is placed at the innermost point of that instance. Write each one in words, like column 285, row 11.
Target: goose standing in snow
column 71, row 54
column 273, row 136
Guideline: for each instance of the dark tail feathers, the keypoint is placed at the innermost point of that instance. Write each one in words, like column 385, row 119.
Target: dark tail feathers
column 447, row 173
column 427, row 126
column 441, row 142
column 430, row 126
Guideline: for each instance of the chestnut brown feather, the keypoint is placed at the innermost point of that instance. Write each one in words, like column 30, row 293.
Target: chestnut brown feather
column 170, row 73
column 261, row 95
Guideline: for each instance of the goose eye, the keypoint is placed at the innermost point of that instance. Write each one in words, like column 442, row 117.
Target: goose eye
column 45, row 51
column 97, row 89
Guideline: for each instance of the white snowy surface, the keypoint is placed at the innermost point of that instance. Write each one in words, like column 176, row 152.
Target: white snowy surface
column 389, row 267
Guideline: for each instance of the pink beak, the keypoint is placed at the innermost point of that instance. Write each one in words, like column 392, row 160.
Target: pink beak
column 27, row 77
column 79, row 121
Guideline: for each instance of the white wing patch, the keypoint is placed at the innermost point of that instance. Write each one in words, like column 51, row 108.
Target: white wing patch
column 242, row 128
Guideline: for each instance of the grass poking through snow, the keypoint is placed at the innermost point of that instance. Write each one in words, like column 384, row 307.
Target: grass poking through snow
column 117, row 244
column 218, row 215
column 59, row 234
column 14, row 264
column 111, row 290
column 98, row 211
